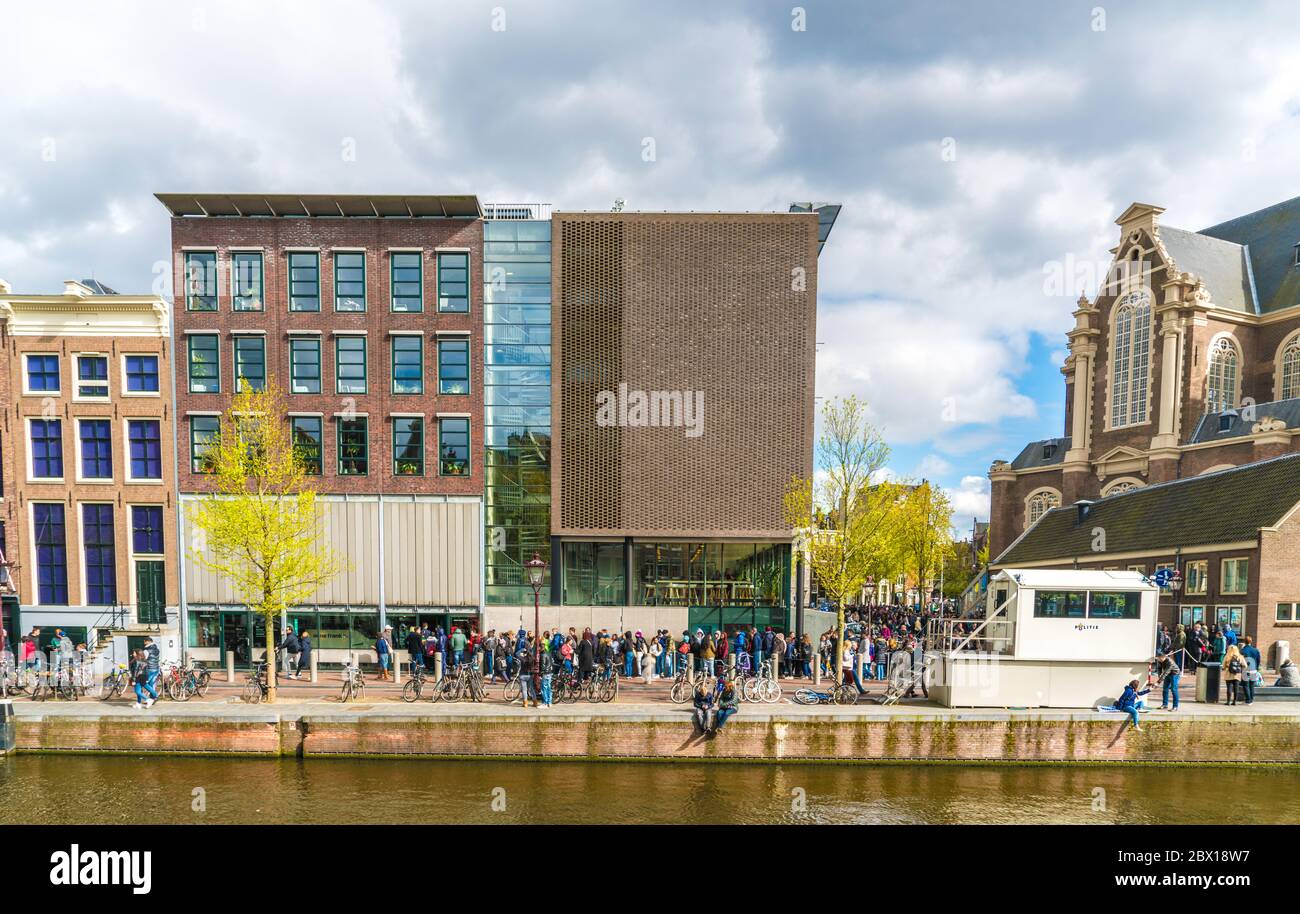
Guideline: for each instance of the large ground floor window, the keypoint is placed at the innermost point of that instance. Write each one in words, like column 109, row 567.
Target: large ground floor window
column 741, row 575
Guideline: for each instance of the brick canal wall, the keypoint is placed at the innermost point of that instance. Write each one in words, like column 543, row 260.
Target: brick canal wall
column 994, row 738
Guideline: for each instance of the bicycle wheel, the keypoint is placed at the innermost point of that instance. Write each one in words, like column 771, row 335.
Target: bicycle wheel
column 411, row 691
column 252, row 692
column 769, row 691
column 204, row 680
column 68, row 690
column 749, row 690
column 680, row 692
column 359, row 690
column 176, row 690
column 846, row 694
column 806, row 697
column 110, row 687
column 511, row 691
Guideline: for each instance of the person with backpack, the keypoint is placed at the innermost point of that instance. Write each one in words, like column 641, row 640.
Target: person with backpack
column 1253, row 661
column 1234, row 669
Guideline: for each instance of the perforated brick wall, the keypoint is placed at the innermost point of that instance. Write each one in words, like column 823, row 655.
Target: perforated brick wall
column 676, row 303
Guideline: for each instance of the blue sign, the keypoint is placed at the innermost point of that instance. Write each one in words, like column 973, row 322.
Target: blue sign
column 1163, row 576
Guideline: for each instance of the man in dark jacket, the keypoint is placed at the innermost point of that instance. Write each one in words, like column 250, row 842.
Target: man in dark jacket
column 586, row 657
column 304, row 656
column 415, row 648
column 289, row 650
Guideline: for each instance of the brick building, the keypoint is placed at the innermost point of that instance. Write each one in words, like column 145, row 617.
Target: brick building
column 365, row 312
column 1233, row 535
column 682, row 404
column 89, row 500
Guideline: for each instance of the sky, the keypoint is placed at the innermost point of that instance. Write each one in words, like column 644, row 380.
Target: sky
column 981, row 151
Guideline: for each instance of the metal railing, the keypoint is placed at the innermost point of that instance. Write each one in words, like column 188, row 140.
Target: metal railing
column 995, row 634
column 517, row 211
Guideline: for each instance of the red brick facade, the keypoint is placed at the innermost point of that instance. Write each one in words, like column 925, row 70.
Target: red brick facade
column 274, row 237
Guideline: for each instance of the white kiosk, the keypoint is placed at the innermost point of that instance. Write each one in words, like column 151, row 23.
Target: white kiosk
column 1047, row 639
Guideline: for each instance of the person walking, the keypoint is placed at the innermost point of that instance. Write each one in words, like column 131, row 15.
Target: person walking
column 304, row 656
column 1234, row 669
column 289, row 650
column 384, row 652
column 140, row 679
column 151, row 669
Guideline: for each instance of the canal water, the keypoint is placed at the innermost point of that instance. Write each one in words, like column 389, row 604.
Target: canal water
column 155, row 790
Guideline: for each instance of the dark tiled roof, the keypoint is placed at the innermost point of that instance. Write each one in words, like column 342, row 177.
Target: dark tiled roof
column 1222, row 264
column 1224, row 507
column 1033, row 454
column 1208, row 429
column 94, row 285
column 1270, row 234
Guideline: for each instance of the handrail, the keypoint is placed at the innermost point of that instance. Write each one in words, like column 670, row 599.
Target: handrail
column 947, row 628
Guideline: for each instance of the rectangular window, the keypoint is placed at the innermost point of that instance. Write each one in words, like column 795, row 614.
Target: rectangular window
column 1235, row 577
column 350, row 364
column 246, row 284
column 1059, row 604
column 142, row 374
column 1196, row 577
column 354, row 446
column 51, row 554
column 304, row 281
column 407, row 282
column 101, row 567
column 1117, row 605
column 453, row 366
column 1286, row 612
column 453, row 447
column 201, row 281
column 304, row 366
column 307, row 442
column 144, row 440
column 408, row 364
column 47, row 448
column 204, row 432
column 205, row 364
column 147, row 529
column 408, row 446
column 92, row 376
column 96, row 449
column 453, row 283
column 349, row 281
column 1230, row 615
column 250, row 362
column 43, row 374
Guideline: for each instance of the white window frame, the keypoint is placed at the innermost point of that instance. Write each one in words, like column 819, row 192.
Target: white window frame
column 31, row 464
column 1223, row 576
column 146, row 394
column 126, row 451
column 27, row 386
column 112, row 453
column 76, row 377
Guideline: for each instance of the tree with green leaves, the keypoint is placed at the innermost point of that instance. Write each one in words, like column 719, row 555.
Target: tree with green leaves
column 844, row 516
column 260, row 525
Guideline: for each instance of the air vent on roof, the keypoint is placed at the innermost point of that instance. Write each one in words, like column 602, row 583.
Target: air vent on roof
column 1084, row 508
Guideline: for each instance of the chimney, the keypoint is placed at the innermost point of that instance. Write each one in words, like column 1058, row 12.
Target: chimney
column 72, row 287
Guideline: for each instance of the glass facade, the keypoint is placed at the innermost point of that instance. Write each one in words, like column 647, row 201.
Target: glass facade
column 516, row 403
column 723, row 584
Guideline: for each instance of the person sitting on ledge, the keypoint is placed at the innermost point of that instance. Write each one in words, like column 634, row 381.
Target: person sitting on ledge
column 728, row 704
column 703, row 703
column 1129, row 702
column 1288, row 676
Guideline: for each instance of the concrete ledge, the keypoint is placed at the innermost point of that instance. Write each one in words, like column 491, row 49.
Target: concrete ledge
column 666, row 734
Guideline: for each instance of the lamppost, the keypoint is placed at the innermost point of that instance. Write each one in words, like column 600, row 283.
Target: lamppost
column 536, row 572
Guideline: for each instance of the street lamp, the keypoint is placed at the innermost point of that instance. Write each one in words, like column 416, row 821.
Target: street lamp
column 536, row 572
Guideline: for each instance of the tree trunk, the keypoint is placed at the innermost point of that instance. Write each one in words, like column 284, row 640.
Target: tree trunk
column 839, row 643
column 271, row 659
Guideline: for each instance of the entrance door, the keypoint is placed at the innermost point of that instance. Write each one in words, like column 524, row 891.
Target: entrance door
column 150, row 594
column 234, row 637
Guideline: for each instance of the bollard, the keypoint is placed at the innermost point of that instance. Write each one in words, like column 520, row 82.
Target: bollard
column 8, row 731
column 776, row 668
column 731, row 666
column 437, row 667
column 857, row 664
column 397, row 670
column 817, row 669
column 314, row 655
column 230, row 666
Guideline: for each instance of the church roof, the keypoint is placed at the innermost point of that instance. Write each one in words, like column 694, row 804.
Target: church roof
column 1229, row 506
column 1269, row 236
column 1045, row 453
column 1211, row 428
column 1223, row 265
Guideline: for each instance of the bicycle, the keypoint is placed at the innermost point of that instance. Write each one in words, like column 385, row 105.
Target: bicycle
column 354, row 684
column 846, row 693
column 763, row 687
column 682, row 687
column 115, row 683
column 603, row 686
column 255, row 687
column 414, row 688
